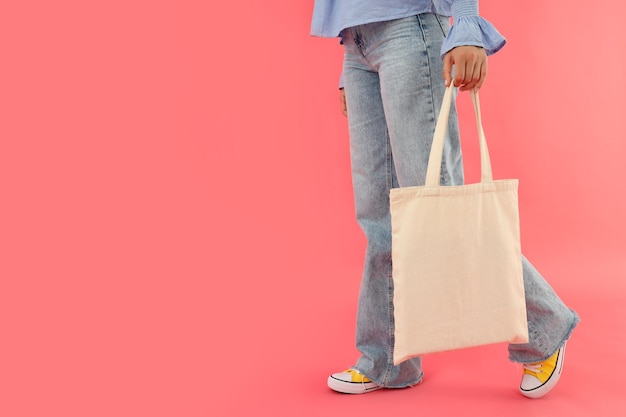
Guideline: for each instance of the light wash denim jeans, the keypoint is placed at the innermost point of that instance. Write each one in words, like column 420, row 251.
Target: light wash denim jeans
column 394, row 88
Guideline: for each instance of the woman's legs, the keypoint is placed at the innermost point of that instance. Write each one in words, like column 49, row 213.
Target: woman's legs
column 392, row 78
column 393, row 85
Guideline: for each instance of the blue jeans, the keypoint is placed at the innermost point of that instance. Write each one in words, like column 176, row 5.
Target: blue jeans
column 394, row 87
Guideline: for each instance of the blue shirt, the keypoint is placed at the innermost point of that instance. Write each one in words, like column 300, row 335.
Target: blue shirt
column 330, row 17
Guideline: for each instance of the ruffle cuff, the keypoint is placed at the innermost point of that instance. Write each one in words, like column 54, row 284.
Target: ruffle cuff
column 473, row 31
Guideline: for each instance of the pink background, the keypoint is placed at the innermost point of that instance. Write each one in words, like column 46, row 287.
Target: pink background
column 176, row 219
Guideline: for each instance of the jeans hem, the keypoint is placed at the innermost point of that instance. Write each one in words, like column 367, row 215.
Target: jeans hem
column 393, row 386
column 568, row 334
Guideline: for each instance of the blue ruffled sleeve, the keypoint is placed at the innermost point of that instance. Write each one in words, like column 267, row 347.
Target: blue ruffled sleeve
column 471, row 29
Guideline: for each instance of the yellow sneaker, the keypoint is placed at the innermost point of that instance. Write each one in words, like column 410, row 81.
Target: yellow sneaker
column 540, row 377
column 351, row 381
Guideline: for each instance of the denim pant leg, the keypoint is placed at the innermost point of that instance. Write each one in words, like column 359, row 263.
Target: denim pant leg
column 550, row 322
column 393, row 85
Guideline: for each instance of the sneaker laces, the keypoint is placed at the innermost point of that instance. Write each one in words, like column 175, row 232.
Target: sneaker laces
column 533, row 368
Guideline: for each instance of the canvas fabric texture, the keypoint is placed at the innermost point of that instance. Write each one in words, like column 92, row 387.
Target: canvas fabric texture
column 457, row 261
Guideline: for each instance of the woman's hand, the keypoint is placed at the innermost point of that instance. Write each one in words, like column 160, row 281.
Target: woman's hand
column 470, row 67
column 342, row 100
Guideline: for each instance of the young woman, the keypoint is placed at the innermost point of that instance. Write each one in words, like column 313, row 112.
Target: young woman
column 399, row 56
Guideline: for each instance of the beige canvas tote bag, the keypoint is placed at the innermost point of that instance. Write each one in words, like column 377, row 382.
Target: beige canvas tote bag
column 457, row 262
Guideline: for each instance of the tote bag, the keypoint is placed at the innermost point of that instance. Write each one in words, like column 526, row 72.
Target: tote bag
column 457, row 262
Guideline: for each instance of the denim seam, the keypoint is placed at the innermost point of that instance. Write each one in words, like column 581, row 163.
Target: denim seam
column 442, row 179
column 391, row 328
column 358, row 42
column 438, row 17
column 392, row 338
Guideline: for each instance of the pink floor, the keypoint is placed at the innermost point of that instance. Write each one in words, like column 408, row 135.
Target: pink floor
column 166, row 344
column 287, row 377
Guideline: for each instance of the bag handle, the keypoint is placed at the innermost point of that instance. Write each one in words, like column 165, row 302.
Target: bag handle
column 433, row 173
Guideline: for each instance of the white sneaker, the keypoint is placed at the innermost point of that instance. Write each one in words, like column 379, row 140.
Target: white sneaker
column 351, row 381
column 539, row 378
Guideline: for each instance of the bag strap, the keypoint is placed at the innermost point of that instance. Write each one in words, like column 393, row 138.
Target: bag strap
column 433, row 174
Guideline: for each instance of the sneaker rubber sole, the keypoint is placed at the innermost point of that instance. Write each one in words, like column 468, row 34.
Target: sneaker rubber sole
column 346, row 387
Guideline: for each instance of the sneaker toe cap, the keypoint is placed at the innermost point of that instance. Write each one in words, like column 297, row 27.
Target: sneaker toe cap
column 342, row 376
column 530, row 382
